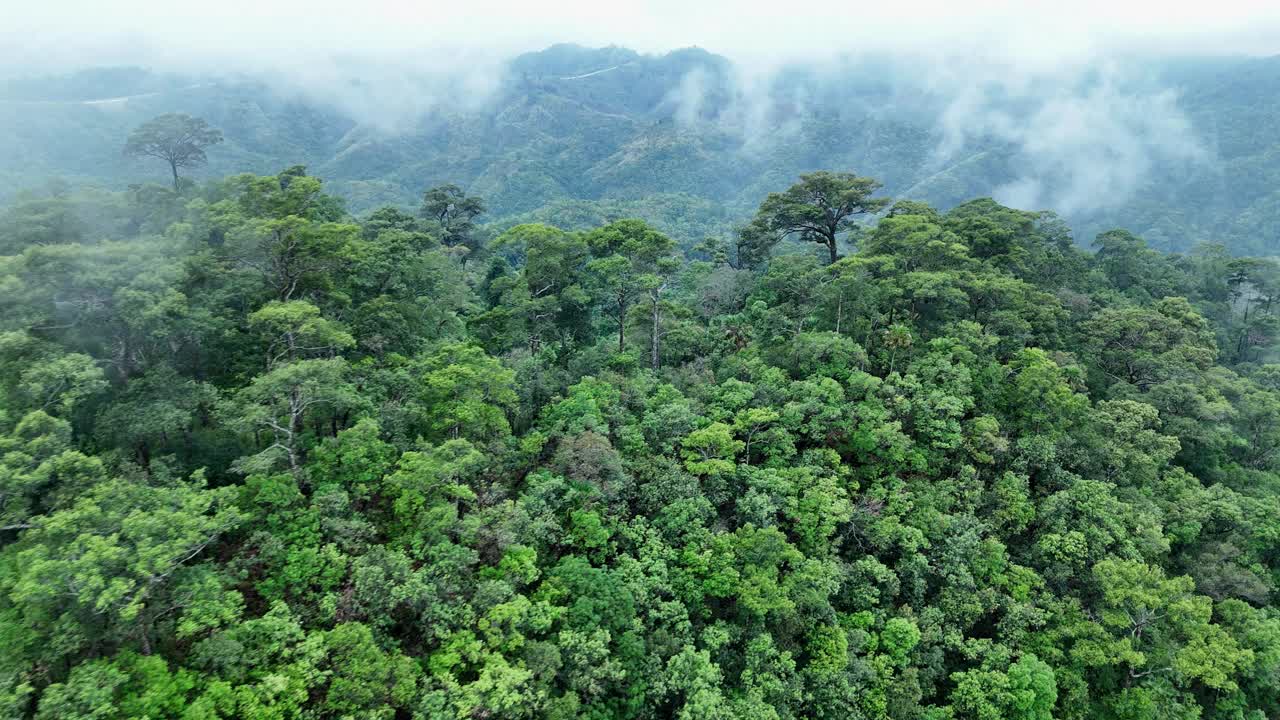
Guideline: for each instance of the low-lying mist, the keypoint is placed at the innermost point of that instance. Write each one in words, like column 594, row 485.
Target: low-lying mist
column 1031, row 107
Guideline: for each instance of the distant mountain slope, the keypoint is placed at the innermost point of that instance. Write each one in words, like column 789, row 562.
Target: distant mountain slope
column 689, row 141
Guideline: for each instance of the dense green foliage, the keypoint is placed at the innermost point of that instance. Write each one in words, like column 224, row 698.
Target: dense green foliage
column 263, row 459
column 1177, row 152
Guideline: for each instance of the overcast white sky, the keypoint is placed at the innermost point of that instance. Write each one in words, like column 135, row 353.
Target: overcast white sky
column 57, row 33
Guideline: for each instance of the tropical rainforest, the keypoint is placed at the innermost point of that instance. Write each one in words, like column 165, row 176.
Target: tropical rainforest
column 265, row 457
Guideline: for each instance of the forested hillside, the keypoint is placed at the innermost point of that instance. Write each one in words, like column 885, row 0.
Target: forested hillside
column 261, row 458
column 1180, row 151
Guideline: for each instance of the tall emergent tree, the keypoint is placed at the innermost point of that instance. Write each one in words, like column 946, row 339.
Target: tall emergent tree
column 820, row 207
column 175, row 138
column 454, row 213
column 630, row 258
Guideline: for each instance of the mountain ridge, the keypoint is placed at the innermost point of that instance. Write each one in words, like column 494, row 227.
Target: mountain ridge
column 610, row 125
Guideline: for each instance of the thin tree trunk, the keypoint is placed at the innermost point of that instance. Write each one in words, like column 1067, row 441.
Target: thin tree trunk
column 174, row 167
column 831, row 247
column 654, row 348
column 622, row 326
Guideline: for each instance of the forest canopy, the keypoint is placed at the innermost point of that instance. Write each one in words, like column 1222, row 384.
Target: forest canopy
column 261, row 458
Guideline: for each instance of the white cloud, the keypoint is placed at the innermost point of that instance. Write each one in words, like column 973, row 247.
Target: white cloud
column 1082, row 138
column 62, row 32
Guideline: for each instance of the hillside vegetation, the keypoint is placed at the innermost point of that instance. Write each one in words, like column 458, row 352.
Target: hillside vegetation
column 263, row 459
column 1179, row 152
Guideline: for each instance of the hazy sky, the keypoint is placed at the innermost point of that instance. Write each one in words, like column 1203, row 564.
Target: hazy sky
column 58, row 33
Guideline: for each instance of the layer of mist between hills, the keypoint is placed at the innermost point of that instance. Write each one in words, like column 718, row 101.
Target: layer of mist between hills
column 1179, row 150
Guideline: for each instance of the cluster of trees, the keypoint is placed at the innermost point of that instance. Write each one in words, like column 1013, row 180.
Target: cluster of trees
column 262, row 459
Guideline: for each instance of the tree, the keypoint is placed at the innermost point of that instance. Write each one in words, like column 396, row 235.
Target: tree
column 280, row 401
column 1140, row 347
column 364, row 680
column 544, row 299
column 295, row 329
column 40, row 471
column 453, row 212
column 1156, row 625
column 40, row 378
column 1026, row 692
column 657, row 282
column 710, row 450
column 630, row 258
column 154, row 412
column 465, row 393
column 1133, row 268
column 819, row 208
column 100, row 567
column 752, row 243
column 293, row 253
column 175, row 138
